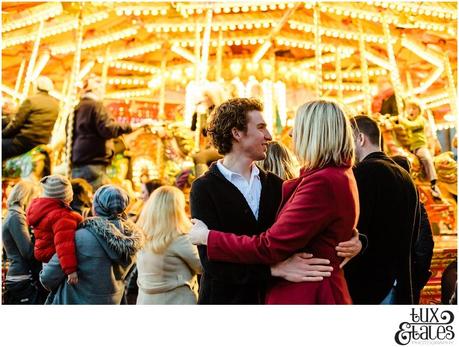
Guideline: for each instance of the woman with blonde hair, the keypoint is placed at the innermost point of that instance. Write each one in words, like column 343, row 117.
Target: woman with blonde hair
column 280, row 161
column 17, row 241
column 168, row 264
column 319, row 209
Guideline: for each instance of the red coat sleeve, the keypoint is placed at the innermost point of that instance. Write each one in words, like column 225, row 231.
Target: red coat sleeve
column 64, row 240
column 306, row 215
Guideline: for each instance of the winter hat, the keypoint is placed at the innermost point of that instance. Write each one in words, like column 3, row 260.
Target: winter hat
column 57, row 187
column 110, row 201
column 44, row 84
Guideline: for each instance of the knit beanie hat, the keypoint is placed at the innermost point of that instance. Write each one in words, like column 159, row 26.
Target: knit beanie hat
column 57, row 187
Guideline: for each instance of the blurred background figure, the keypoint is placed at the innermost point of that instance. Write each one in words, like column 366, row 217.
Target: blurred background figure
column 22, row 285
column 33, row 124
column 280, row 161
column 168, row 264
column 413, row 120
column 94, row 128
column 82, row 197
column 9, row 108
column 147, row 188
column 449, row 284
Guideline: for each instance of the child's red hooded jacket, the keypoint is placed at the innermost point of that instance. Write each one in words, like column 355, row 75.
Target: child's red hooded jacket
column 54, row 225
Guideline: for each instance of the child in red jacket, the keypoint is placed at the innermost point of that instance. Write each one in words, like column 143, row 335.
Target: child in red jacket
column 54, row 224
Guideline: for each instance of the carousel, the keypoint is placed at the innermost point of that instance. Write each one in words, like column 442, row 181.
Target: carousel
column 165, row 65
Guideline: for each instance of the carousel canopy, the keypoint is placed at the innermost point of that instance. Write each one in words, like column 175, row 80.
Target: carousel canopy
column 342, row 50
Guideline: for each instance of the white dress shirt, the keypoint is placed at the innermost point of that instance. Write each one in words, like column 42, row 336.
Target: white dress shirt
column 251, row 190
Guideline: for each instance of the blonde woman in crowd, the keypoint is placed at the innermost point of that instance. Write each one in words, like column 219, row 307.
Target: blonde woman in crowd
column 17, row 241
column 280, row 161
column 168, row 264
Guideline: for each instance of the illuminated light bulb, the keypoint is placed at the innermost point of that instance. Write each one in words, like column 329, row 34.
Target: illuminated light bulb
column 254, row 8
column 272, row 7
column 339, row 12
column 263, row 8
column 166, row 29
column 182, row 28
column 229, row 42
column 235, row 67
column 253, row 41
column 236, row 9
column 245, row 42
column 265, row 25
column 260, row 40
column 145, row 12
column 127, row 12
column 232, row 27
column 281, row 6
column 119, row 12
column 240, row 26
column 249, row 26
column 290, row 5
column 258, row 25
column 224, row 27
column 173, row 29
column 137, row 12
column 199, row 11
column 237, row 42
column 353, row 15
column 226, row 10
column 214, row 43
column 293, row 25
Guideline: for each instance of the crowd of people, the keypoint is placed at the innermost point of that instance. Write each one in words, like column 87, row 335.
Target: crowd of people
column 336, row 221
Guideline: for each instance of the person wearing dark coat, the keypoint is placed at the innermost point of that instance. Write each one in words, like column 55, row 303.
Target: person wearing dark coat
column 237, row 196
column 424, row 244
column 93, row 129
column 33, row 123
column 389, row 217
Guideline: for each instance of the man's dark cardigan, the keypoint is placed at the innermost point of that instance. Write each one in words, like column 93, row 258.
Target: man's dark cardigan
column 219, row 204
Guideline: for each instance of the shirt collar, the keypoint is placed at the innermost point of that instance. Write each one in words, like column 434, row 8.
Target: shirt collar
column 229, row 175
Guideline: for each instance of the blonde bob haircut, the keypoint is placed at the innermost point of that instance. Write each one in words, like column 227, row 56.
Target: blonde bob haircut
column 163, row 218
column 22, row 193
column 322, row 135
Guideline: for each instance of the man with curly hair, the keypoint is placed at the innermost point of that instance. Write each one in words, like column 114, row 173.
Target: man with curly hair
column 236, row 195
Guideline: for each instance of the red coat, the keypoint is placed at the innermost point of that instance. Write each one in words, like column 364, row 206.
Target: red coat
column 54, row 225
column 318, row 210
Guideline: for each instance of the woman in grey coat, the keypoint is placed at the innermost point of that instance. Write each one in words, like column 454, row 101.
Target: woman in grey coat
column 105, row 246
column 18, row 246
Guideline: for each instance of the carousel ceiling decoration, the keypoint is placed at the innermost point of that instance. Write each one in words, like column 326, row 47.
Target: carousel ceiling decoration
column 339, row 50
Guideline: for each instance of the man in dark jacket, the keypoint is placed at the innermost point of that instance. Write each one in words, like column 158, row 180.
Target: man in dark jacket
column 389, row 217
column 33, row 123
column 424, row 244
column 93, row 129
column 237, row 196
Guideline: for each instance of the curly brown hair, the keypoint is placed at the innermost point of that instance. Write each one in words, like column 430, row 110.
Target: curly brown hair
column 230, row 114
